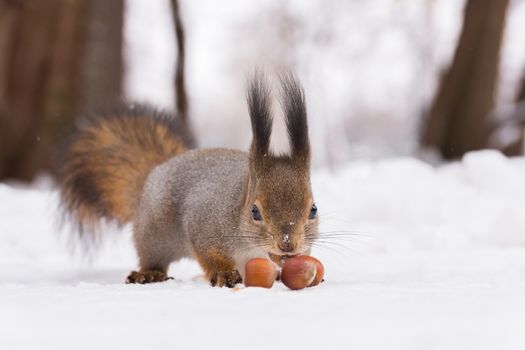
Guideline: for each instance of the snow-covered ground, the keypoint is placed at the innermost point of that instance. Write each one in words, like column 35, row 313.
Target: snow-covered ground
column 436, row 261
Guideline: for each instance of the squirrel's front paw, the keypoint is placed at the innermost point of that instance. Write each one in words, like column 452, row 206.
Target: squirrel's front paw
column 225, row 278
column 147, row 276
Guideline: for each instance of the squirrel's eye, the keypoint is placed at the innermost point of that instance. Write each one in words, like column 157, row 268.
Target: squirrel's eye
column 256, row 214
column 313, row 212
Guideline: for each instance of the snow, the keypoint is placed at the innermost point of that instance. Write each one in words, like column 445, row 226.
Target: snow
column 436, row 261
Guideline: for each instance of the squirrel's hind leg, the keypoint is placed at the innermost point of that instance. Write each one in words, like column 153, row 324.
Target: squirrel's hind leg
column 147, row 276
column 153, row 268
column 157, row 247
column 154, row 260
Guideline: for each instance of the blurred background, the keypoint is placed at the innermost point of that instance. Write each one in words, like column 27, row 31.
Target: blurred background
column 432, row 79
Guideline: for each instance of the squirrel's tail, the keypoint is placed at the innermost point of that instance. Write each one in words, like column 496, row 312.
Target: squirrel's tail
column 106, row 160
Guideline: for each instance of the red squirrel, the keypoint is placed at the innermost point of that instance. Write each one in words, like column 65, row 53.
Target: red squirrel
column 219, row 206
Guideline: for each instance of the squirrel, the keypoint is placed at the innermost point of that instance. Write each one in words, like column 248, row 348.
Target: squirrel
column 219, row 206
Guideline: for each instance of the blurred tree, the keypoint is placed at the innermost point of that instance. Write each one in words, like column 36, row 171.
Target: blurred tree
column 516, row 148
column 457, row 121
column 102, row 68
column 57, row 58
column 521, row 92
column 181, row 99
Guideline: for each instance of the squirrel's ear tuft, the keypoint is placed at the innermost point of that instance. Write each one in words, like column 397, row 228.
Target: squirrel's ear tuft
column 260, row 113
column 294, row 108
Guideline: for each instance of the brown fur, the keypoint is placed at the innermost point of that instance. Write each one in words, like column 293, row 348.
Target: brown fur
column 218, row 267
column 213, row 260
column 284, row 198
column 109, row 157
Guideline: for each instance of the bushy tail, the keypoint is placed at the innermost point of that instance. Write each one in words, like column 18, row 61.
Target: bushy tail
column 106, row 160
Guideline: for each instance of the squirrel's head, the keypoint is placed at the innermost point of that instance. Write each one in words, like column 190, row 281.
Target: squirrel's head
column 281, row 212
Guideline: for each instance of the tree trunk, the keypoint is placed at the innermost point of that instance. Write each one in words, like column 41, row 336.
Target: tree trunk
column 458, row 118
column 41, row 49
column 517, row 148
column 521, row 92
column 103, row 60
column 181, row 99
column 43, row 84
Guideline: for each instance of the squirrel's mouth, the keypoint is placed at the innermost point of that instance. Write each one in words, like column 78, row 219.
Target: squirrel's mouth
column 280, row 259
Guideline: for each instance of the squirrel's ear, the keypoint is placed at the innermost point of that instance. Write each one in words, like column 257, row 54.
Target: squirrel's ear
column 294, row 108
column 260, row 114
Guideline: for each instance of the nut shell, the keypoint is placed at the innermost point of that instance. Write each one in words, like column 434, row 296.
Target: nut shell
column 259, row 273
column 299, row 273
column 319, row 266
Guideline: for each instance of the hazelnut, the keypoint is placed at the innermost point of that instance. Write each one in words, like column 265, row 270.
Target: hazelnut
column 259, row 273
column 301, row 272
column 319, row 267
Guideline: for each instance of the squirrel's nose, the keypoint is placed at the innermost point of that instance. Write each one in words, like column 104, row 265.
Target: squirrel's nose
column 286, row 245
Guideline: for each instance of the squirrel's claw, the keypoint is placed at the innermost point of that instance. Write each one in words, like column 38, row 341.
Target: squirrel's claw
column 147, row 276
column 225, row 278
